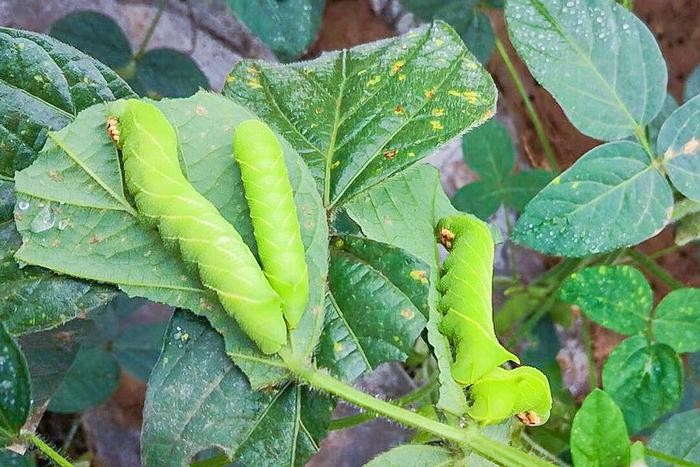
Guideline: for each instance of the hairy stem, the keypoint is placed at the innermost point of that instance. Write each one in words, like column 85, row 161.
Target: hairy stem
column 497, row 452
column 656, row 270
column 151, row 29
column 534, row 117
column 48, row 451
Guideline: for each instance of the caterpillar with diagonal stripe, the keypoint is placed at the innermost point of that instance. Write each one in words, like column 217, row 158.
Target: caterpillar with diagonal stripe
column 184, row 217
column 467, row 322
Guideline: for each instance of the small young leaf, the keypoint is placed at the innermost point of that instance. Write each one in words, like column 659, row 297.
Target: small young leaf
column 598, row 434
column 678, row 436
column 616, row 297
column 599, row 61
column 488, row 150
column 644, row 379
column 15, row 388
column 481, row 198
column 413, row 455
column 611, row 197
column 692, row 84
column 95, row 34
column 677, row 320
column 688, row 229
column 679, row 142
column 523, row 186
column 91, row 380
column 670, row 106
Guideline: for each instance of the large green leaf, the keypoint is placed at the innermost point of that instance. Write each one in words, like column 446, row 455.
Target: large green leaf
column 94, row 233
column 287, row 27
column 679, row 436
column 488, row 150
column 358, row 116
column 414, row 455
column 376, row 306
column 599, row 61
column 677, row 320
column 43, row 85
column 679, row 142
column 34, row 299
column 404, row 211
column 599, row 435
column 618, row 298
column 198, row 399
column 646, row 380
column 612, row 197
column 15, row 388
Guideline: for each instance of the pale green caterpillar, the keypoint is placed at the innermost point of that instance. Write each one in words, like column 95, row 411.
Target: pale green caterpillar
column 496, row 393
column 183, row 216
column 466, row 299
column 274, row 215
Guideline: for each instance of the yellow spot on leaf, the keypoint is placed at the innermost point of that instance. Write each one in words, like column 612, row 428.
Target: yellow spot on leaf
column 399, row 110
column 556, row 181
column 430, row 93
column 402, row 77
column 408, row 313
column 439, row 112
column 396, row 67
column 436, row 125
column 411, row 154
column 338, row 347
column 230, row 79
column 419, row 275
column 201, row 110
column 252, row 71
column 390, row 154
column 335, row 164
column 55, row 175
column 254, row 83
column 374, row 80
column 471, row 96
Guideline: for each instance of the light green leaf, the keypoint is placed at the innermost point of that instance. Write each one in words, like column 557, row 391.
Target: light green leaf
column 97, row 223
column 414, row 455
column 92, row 379
column 95, row 34
column 616, row 297
column 599, row 61
column 361, row 115
column 287, row 27
column 679, row 142
column 610, row 198
column 677, row 320
column 599, row 435
column 404, row 211
column 688, row 229
column 376, row 306
column 644, row 379
column 43, row 85
column 679, row 436
column 280, row 427
column 692, row 84
column 15, row 388
column 670, row 105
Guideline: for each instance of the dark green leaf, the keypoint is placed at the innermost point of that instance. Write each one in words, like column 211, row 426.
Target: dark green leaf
column 51, row 353
column 43, row 85
column 670, row 105
column 488, row 150
column 362, row 115
column 167, row 73
column 414, row 455
column 478, row 35
column 523, row 186
column 376, row 307
column 137, row 347
column 677, row 320
column 33, row 299
column 15, row 388
column 644, row 379
column 12, row 459
column 404, row 211
column 98, row 222
column 598, row 435
column 287, row 27
column 616, row 297
column 7, row 201
column 428, row 9
column 610, row 198
column 679, row 142
column 679, row 436
column 92, row 379
column 692, row 84
column 599, row 61
column 481, row 198
column 95, row 34
column 198, row 399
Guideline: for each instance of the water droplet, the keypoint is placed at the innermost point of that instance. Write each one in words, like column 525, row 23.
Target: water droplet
column 44, row 220
column 23, row 205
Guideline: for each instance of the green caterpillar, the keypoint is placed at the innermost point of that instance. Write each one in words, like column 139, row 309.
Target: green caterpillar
column 183, row 216
column 274, row 215
column 468, row 323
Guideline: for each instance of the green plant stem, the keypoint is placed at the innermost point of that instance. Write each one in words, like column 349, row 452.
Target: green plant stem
column 664, row 251
column 5, row 178
column 48, row 451
column 534, row 117
column 151, row 29
column 660, row 273
column 470, row 437
column 641, row 135
column 629, row 4
column 540, row 450
column 358, row 419
column 669, row 458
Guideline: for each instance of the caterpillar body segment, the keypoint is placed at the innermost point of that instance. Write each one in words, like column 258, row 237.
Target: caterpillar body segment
column 274, row 215
column 183, row 216
column 466, row 299
column 522, row 391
